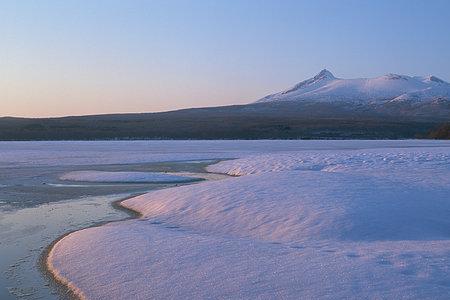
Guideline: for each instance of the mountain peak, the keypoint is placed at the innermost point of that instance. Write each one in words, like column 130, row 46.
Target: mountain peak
column 435, row 79
column 324, row 74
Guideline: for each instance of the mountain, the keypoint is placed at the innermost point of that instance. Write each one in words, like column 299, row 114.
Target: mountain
column 325, row 87
column 322, row 107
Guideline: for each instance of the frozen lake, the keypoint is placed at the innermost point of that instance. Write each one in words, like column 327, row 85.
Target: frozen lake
column 36, row 206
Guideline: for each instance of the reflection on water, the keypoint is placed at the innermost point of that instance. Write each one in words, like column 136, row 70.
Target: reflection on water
column 25, row 233
column 80, row 185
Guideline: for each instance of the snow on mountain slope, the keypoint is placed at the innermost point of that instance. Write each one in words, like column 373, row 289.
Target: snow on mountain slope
column 327, row 88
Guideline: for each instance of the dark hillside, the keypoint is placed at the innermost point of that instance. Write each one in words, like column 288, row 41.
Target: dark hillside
column 257, row 121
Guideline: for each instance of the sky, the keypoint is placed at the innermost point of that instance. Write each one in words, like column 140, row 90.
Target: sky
column 68, row 57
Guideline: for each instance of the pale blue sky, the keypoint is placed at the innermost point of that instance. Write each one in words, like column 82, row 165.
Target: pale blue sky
column 85, row 57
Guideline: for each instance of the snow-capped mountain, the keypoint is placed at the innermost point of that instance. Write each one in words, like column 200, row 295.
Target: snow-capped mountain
column 326, row 87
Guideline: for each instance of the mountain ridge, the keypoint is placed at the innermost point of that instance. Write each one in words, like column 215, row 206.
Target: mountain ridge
column 326, row 87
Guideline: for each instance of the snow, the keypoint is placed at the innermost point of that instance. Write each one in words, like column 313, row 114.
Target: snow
column 90, row 153
column 323, row 224
column 325, row 87
column 102, row 176
column 418, row 165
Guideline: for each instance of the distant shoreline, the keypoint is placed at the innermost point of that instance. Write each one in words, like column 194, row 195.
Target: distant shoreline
column 285, row 121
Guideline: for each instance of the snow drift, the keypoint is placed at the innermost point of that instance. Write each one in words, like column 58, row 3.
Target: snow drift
column 327, row 224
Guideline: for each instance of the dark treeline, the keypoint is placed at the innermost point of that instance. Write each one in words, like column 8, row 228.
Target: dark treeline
column 258, row 121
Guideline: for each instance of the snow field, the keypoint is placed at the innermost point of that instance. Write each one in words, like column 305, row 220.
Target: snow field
column 328, row 224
